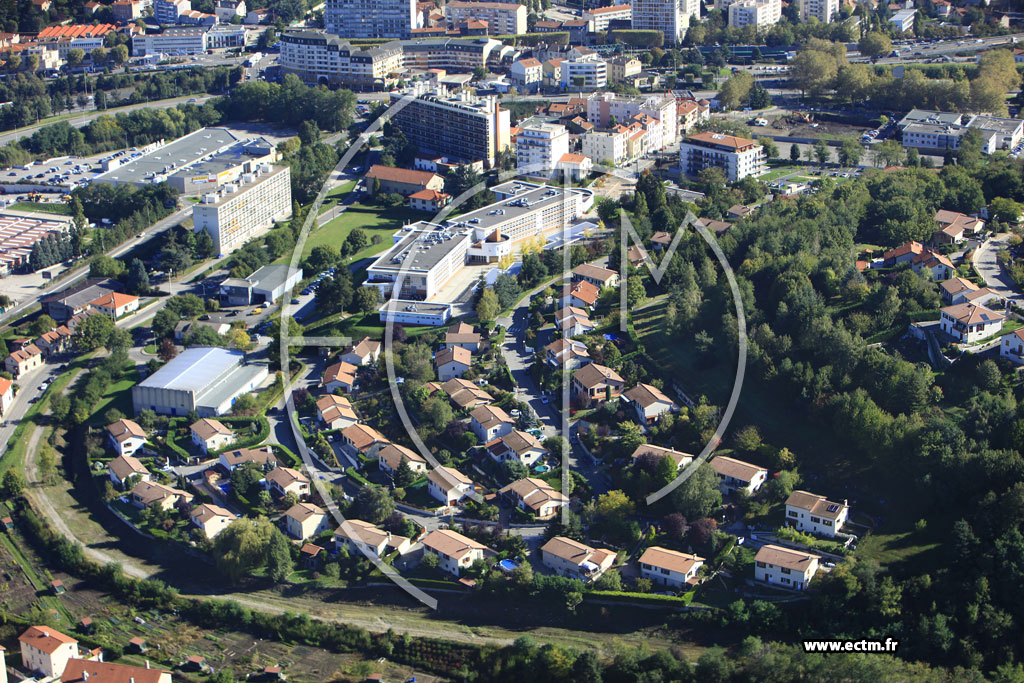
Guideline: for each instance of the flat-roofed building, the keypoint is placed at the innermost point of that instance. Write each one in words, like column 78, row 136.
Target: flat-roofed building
column 825, row 11
column 319, row 58
column 237, row 213
column 503, row 18
column 586, row 73
column 206, row 380
column 736, row 157
column 671, row 17
column 599, row 18
column 371, row 18
column 755, row 13
column 539, row 148
column 463, row 127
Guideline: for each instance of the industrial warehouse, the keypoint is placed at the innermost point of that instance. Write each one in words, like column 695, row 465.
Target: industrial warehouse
column 204, row 379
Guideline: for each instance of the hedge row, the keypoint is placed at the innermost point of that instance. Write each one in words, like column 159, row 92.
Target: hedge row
column 351, row 471
column 253, row 439
column 627, row 596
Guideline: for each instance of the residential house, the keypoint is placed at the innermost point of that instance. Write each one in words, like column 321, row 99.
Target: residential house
column 785, row 567
column 691, row 113
column 955, row 227
column 304, row 520
column 636, row 255
column 211, row 519
column 739, row 211
column 575, row 167
column 149, row 493
column 935, row 265
column 597, row 383
column 902, row 254
column 815, row 514
column 364, row 352
column 575, row 560
column 95, row 671
column 430, row 201
column 464, row 394
column 285, row 480
column 261, row 457
column 670, row 568
column 717, row 227
column 1012, row 346
column 454, row 551
column 363, row 537
column 661, row 240
column 359, row 439
column 24, row 360
column 6, row 394
column 552, row 70
column 735, row 475
column 534, row 496
column 968, row 323
column 461, row 334
column 527, row 73
column 573, row 321
column 401, row 181
column 679, row 458
column 339, row 376
column 452, row 362
column 335, row 412
column 116, row 304
column 123, row 467
column 595, row 275
column 391, row 456
column 582, row 294
column 489, row 422
column 125, row 436
column 55, row 342
column 566, row 352
column 954, row 289
column 649, row 402
column 448, row 485
column 309, row 556
column 211, row 435
column 517, row 446
column 47, row 651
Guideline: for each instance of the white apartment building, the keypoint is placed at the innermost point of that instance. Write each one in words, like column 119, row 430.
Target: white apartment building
column 903, row 20
column 526, row 72
column 755, row 13
column 503, row 18
column 240, row 212
column 168, row 11
column 602, row 107
column 671, row 17
column 824, row 11
column 540, row 147
column 586, row 73
column 319, row 58
column 598, row 18
column 603, row 146
column 371, row 18
column 737, row 157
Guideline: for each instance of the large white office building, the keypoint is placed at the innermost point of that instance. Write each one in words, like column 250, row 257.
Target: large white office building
column 539, row 147
column 371, row 18
column 825, row 11
column 238, row 212
column 204, row 379
column 671, row 17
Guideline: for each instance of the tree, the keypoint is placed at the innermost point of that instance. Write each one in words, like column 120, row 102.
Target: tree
column 138, row 277
column 13, row 484
column 748, row 439
column 118, row 54
column 243, row 546
column 279, row 556
column 239, row 339
column 367, row 299
column 479, row 73
column 674, row 525
column 404, row 476
column 1006, row 210
column 875, row 44
column 94, row 332
column 41, row 325
column 75, row 56
column 487, row 307
column 759, row 97
column 99, row 55
column 822, row 152
column 167, row 351
column 849, row 153
column 771, row 150
column 736, row 90
column 244, row 405
column 794, row 152
column 699, row 495
column 374, row 504
column 968, row 154
column 636, row 293
column 889, row 153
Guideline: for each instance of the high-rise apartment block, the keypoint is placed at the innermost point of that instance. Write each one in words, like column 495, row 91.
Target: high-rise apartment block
column 671, row 17
column 371, row 18
column 539, row 148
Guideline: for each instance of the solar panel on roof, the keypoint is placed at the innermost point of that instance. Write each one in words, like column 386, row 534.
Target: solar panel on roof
column 832, row 507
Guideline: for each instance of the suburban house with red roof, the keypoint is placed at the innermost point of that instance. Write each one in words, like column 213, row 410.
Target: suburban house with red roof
column 968, row 323
column 402, row 181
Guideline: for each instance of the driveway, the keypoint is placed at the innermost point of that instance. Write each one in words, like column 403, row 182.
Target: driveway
column 994, row 275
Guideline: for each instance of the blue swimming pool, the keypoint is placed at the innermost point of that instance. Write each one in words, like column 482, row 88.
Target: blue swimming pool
column 541, row 469
column 507, row 565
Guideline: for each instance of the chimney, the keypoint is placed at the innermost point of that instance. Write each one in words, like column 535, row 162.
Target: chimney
column 85, row 675
column 147, row 663
column 846, row 502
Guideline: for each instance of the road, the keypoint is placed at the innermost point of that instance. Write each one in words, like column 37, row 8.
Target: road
column 82, row 119
column 988, row 266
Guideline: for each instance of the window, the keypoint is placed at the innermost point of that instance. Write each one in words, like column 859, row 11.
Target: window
column 816, row 520
column 792, row 513
column 785, row 580
column 665, row 572
column 786, row 571
column 828, row 522
column 762, row 565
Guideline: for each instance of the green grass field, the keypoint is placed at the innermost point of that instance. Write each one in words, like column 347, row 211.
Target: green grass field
column 118, row 395
column 42, row 207
column 377, row 221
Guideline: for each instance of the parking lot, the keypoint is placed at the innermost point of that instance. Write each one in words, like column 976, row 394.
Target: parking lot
column 63, row 173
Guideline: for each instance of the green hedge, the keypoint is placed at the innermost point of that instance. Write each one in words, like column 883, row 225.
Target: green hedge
column 432, row 583
column 556, row 38
column 253, row 439
column 627, row 596
column 351, row 471
column 284, row 454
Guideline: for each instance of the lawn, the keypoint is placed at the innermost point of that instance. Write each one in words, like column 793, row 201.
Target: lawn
column 377, row 221
column 362, row 325
column 777, row 173
column 335, row 195
column 118, row 395
column 42, row 207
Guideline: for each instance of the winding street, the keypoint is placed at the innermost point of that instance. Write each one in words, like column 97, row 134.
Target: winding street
column 992, row 272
